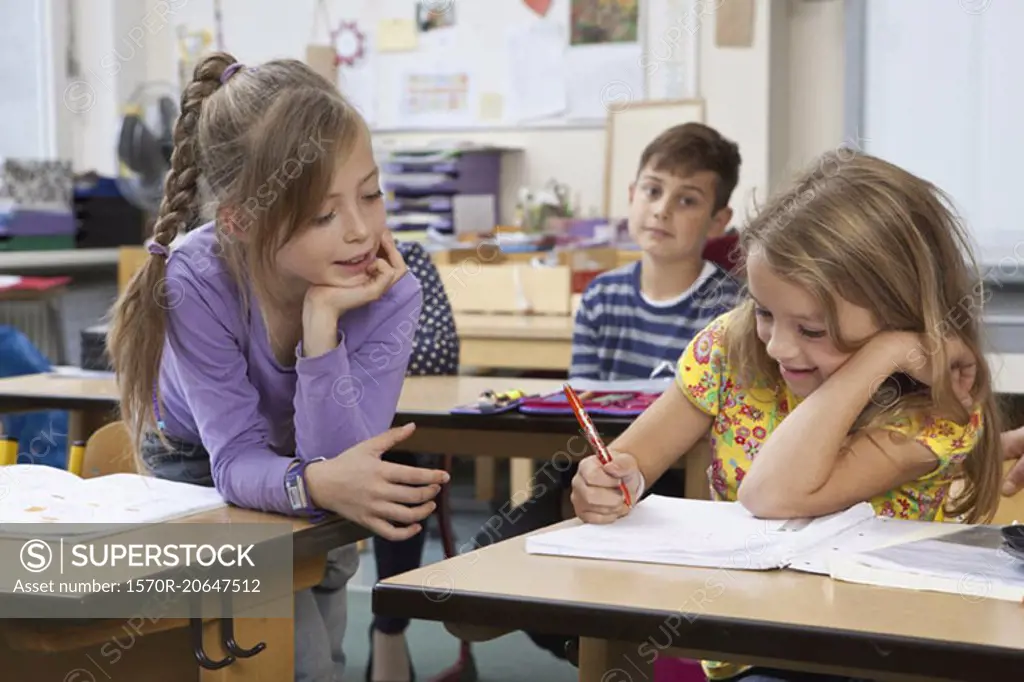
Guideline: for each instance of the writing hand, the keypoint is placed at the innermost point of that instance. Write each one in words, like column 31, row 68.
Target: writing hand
column 596, row 497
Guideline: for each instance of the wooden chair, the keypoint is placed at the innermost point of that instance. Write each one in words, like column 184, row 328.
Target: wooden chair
column 129, row 260
column 109, row 450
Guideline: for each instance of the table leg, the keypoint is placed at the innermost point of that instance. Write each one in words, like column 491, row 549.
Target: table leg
column 83, row 423
column 483, row 478
column 610, row 661
column 520, row 480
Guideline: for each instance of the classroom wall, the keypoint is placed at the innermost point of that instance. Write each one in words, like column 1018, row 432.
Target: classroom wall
column 782, row 99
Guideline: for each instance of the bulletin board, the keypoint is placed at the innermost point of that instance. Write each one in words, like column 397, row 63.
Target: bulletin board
column 629, row 131
column 430, row 65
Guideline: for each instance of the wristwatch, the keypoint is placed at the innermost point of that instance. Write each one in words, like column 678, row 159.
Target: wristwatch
column 296, row 489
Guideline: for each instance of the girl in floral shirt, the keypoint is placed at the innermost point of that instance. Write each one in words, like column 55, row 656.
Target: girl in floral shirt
column 850, row 373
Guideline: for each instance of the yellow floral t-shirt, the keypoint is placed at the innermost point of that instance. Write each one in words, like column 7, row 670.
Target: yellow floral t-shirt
column 744, row 418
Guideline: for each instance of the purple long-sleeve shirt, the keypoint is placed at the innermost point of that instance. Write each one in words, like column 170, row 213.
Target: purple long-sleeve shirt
column 222, row 386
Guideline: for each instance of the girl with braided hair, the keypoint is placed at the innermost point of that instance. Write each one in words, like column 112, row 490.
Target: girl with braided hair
column 264, row 354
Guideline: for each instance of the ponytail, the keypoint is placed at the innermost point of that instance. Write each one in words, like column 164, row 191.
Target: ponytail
column 138, row 323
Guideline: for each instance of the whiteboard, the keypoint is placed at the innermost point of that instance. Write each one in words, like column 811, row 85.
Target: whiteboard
column 629, row 131
column 661, row 64
column 942, row 99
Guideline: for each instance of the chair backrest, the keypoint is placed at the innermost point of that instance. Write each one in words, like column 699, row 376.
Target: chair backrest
column 109, row 451
column 129, row 260
column 1010, row 508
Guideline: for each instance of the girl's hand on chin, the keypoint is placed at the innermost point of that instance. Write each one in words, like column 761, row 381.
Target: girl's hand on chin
column 381, row 275
column 915, row 354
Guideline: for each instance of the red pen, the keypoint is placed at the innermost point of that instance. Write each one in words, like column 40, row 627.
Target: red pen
column 591, row 433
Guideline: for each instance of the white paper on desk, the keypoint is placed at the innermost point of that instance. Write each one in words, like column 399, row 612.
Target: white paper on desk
column 36, row 496
column 684, row 532
column 537, row 74
column 873, row 533
column 968, row 561
column 602, row 78
column 72, row 372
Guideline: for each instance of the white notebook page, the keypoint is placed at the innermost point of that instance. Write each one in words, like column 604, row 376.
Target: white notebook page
column 39, row 495
column 686, row 532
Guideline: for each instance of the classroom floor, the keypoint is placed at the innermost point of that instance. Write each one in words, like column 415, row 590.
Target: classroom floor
column 512, row 658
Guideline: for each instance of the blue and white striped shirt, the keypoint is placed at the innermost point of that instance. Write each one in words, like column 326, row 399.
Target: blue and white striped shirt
column 619, row 334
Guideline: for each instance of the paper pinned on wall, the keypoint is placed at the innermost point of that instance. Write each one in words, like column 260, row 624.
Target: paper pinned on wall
column 734, row 23
column 492, row 106
column 435, row 99
column 397, row 35
column 537, row 73
column 603, row 78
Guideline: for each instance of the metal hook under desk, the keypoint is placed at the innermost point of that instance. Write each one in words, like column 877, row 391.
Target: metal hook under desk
column 227, row 629
column 196, row 624
column 227, row 634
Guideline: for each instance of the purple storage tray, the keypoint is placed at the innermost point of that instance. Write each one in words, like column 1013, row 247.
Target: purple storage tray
column 37, row 224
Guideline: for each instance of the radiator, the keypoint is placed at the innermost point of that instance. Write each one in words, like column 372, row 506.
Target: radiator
column 40, row 321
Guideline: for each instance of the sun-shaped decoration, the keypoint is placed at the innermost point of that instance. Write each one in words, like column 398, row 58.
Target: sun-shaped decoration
column 349, row 43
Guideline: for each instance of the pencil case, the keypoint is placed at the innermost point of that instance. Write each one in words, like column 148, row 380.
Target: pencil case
column 490, row 402
column 608, row 403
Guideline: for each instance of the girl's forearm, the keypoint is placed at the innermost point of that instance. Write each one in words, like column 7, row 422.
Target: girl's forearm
column 666, row 431
column 800, row 454
column 319, row 332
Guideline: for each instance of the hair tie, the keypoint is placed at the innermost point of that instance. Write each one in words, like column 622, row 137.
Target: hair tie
column 230, row 71
column 158, row 249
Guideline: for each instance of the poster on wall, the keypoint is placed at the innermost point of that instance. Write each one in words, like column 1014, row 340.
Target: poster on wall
column 604, row 21
column 435, row 99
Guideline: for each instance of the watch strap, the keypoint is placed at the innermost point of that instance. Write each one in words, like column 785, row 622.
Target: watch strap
column 297, row 490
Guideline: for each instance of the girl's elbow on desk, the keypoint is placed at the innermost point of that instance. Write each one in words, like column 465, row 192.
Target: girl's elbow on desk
column 766, row 501
column 761, row 502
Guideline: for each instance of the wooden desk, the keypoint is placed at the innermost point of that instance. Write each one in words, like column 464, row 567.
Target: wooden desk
column 626, row 613
column 161, row 650
column 424, row 400
column 58, row 259
column 522, row 342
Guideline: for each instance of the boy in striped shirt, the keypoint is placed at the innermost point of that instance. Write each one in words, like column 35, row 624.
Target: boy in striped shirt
column 634, row 322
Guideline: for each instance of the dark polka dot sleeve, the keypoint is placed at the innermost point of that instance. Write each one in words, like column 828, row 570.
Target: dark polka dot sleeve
column 436, row 342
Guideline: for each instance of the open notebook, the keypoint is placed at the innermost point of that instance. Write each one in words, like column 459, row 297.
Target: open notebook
column 35, row 494
column 668, row 530
column 852, row 546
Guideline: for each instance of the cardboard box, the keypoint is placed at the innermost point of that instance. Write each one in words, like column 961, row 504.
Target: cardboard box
column 512, row 289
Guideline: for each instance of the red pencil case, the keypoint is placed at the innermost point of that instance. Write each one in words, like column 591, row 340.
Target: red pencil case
column 608, row 403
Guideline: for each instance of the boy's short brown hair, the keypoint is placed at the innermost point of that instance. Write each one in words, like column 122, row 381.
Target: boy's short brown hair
column 693, row 147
